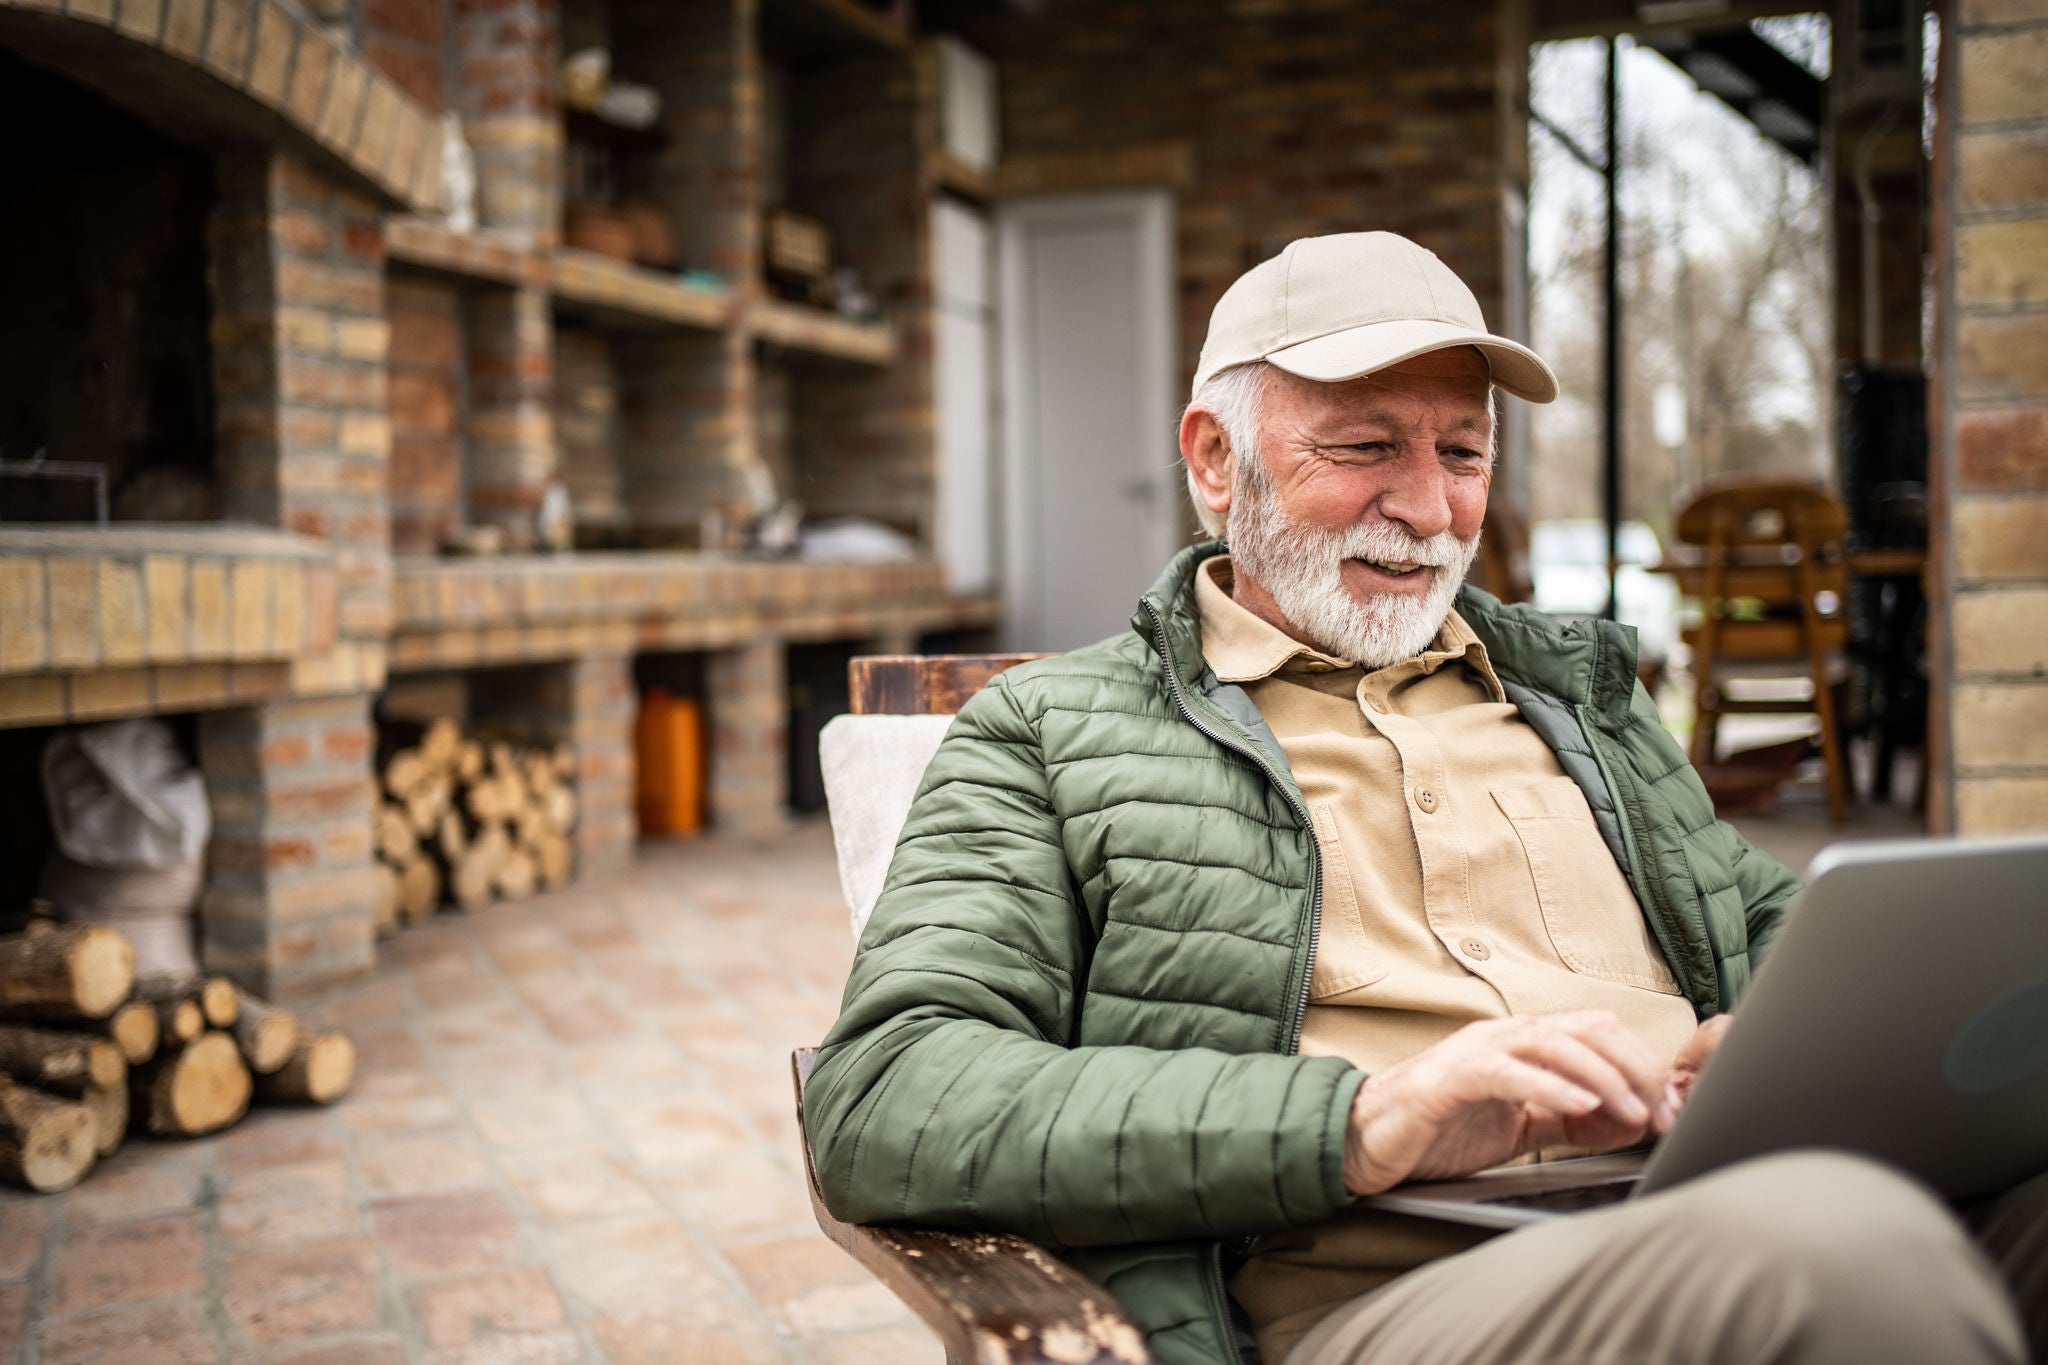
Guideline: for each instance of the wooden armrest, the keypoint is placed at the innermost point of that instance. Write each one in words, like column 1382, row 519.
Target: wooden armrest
column 991, row 1298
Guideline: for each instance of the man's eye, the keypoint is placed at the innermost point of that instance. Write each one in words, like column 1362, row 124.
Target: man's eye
column 1463, row 454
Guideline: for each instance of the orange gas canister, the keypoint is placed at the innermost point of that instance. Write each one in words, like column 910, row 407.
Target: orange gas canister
column 668, row 739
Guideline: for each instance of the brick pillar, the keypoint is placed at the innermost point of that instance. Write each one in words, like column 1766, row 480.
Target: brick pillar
column 588, row 703
column 1989, row 419
column 511, row 413
column 749, row 785
column 290, row 883
column 505, row 56
column 300, row 347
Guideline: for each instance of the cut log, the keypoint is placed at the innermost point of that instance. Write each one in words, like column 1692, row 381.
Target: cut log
column 220, row 1002
column 402, row 772
column 321, row 1069
column 135, row 1030
column 178, row 1020
column 396, row 842
column 518, row 876
column 556, row 857
column 52, row 1060
column 267, row 1035
column 528, row 825
column 559, row 806
column 197, row 1089
column 384, row 910
column 475, row 877
column 419, row 890
column 469, row 761
column 451, row 839
column 109, row 1109
column 46, row 1143
column 79, row 971
column 428, row 800
column 440, row 743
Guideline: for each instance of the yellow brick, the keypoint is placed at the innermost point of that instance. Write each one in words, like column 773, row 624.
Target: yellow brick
column 310, row 69
column 184, row 27
column 2002, row 360
column 249, row 610
column 209, row 609
column 2000, row 171
column 163, row 578
column 380, row 114
column 345, row 93
column 31, row 701
column 363, row 338
column 366, row 434
column 24, row 616
column 2002, row 264
column 142, row 19
column 2001, row 632
column 110, row 692
column 305, row 329
column 257, row 681
column 271, row 64
column 2000, row 538
column 191, row 686
column 2001, row 725
column 98, row 11
column 228, row 36
column 2001, row 76
column 124, row 619
column 74, row 613
column 288, row 608
column 2002, row 805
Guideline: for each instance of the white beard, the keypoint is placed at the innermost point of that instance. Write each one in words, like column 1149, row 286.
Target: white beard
column 1301, row 568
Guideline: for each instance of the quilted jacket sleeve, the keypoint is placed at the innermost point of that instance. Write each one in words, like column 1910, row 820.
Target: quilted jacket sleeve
column 947, row 1094
column 1767, row 888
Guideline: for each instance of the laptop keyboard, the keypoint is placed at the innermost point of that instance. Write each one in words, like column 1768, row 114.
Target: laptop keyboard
column 1570, row 1200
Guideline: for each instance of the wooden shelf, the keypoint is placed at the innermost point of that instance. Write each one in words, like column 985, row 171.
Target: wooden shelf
column 813, row 331
column 805, row 31
column 424, row 244
column 592, row 127
column 623, row 294
column 952, row 174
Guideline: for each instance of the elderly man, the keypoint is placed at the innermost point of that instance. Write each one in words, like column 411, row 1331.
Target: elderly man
column 1332, row 874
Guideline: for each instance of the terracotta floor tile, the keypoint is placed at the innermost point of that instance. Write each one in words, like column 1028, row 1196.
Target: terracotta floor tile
column 528, row 1119
column 144, row 1179
column 514, row 1317
column 659, row 1337
column 630, row 1065
column 366, row 1004
column 746, row 1196
column 144, row 1258
column 812, row 1288
column 278, row 1137
column 159, row 1333
column 909, row 1343
column 24, row 1228
column 377, row 1348
column 13, row 1318
column 679, row 1132
column 430, row 1161
column 578, row 1182
column 389, row 1049
column 452, row 990
column 276, row 1206
column 440, row 1234
column 508, row 1066
column 619, row 1265
column 492, row 1023
column 311, row 1291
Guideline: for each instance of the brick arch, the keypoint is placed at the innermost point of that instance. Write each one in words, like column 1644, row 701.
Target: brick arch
column 237, row 71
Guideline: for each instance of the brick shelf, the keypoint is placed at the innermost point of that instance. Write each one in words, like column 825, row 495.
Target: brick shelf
column 813, row 330
column 630, row 295
column 427, row 245
column 824, row 28
column 532, row 609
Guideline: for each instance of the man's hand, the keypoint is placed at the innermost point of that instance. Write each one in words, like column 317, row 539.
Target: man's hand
column 1685, row 1068
column 1495, row 1090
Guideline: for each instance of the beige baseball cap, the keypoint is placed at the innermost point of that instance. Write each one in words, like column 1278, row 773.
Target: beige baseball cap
column 1345, row 305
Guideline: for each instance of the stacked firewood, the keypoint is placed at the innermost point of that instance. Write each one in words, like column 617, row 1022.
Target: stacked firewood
column 467, row 820
column 88, row 1051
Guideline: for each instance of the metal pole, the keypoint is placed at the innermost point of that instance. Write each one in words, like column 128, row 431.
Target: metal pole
column 1611, row 358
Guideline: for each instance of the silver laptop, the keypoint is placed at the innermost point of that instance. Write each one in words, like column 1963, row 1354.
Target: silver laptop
column 1902, row 1014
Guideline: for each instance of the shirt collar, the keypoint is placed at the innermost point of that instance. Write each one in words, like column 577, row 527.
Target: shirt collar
column 1241, row 647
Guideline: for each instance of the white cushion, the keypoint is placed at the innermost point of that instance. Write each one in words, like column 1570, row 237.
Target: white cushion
column 872, row 766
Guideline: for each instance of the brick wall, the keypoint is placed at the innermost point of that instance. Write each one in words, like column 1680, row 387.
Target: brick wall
column 589, row 703
column 511, row 404
column 408, row 41
column 749, row 700
column 587, row 427
column 1991, row 410
column 504, row 55
column 426, row 411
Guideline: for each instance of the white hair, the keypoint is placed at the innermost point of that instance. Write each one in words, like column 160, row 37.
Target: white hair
column 1236, row 398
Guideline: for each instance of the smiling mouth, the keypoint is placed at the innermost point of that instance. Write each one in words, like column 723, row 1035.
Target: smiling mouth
column 1395, row 568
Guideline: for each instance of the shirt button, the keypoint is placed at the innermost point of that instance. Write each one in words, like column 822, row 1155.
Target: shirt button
column 1475, row 950
column 1426, row 799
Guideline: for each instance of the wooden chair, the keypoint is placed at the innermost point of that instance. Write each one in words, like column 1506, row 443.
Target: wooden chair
column 991, row 1298
column 1772, row 593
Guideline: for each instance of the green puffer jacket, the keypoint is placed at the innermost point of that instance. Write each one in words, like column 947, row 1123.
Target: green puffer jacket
column 1075, row 1010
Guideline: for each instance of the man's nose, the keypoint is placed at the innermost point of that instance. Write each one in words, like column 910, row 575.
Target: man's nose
column 1418, row 496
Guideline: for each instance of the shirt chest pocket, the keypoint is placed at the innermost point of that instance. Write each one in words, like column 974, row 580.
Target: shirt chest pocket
column 1346, row 960
column 1588, row 910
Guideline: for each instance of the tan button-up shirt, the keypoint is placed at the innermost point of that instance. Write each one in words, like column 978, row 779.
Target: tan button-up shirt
column 1463, row 879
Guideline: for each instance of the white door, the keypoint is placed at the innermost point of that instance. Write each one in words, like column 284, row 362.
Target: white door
column 962, row 375
column 1091, row 473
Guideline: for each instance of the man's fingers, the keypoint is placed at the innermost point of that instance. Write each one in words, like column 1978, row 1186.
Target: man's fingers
column 1574, row 1060
column 1520, row 1082
column 1606, row 1035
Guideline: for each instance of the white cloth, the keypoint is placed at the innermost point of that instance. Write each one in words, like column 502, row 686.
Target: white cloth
column 872, row 767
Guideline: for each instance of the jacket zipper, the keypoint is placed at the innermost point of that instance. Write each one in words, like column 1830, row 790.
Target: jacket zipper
column 1315, row 923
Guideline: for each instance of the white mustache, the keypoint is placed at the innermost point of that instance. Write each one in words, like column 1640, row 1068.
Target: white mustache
column 1385, row 543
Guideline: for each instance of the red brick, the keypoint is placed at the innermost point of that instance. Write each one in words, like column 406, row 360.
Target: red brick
column 421, row 404
column 149, row 1258
column 1998, row 451
column 414, row 69
column 174, row 1330
column 420, row 21
column 325, row 1287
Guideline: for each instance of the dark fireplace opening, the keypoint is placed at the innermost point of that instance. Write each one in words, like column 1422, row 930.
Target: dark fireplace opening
column 104, row 352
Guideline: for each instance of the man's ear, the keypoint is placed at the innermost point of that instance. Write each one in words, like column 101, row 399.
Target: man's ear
column 1206, row 452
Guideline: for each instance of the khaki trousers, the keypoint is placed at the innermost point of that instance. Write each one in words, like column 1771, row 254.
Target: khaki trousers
column 1810, row 1258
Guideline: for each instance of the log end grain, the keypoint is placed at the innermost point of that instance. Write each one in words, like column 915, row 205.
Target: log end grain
column 46, row 1144
column 219, row 1002
column 321, row 1070
column 135, row 1030
column 200, row 1089
column 108, row 1106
